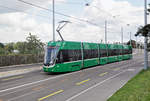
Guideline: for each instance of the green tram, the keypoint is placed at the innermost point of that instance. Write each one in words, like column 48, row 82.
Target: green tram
column 67, row 56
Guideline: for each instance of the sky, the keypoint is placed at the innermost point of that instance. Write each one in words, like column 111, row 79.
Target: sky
column 18, row 19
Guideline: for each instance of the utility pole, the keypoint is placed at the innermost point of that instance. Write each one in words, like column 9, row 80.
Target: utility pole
column 136, row 42
column 130, row 39
column 105, row 31
column 130, row 35
column 122, row 35
column 122, row 39
column 53, row 3
column 145, row 38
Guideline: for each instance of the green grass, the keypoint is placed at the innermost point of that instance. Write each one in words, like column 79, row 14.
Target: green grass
column 137, row 89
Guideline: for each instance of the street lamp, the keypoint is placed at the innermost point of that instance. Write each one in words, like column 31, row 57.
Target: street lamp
column 53, row 3
column 121, row 31
column 87, row 4
column 136, row 42
column 105, row 31
column 130, row 36
column 122, row 35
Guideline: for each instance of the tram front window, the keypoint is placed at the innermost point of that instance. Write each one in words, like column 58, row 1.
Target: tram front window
column 50, row 55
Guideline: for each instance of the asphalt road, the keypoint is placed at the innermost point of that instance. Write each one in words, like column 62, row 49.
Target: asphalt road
column 91, row 84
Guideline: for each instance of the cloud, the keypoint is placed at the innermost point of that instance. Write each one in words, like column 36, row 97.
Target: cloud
column 17, row 5
column 15, row 26
column 117, row 13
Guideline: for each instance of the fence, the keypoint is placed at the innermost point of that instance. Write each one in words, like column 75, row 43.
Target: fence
column 20, row 59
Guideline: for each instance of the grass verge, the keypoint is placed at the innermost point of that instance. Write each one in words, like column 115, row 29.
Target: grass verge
column 137, row 89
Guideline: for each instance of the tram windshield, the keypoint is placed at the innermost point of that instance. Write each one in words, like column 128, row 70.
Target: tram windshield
column 50, row 55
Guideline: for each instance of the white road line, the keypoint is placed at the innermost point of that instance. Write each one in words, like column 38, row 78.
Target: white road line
column 84, row 91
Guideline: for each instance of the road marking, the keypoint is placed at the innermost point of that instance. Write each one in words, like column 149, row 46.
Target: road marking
column 130, row 69
column 102, row 74
column 50, row 95
column 84, row 91
column 38, row 88
column 11, row 78
column 116, row 69
column 79, row 83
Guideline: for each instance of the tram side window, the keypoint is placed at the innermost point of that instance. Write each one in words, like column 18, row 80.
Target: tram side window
column 94, row 53
column 103, row 52
column 124, row 52
column 68, row 55
column 90, row 53
column 127, row 51
column 120, row 51
column 62, row 56
column 86, row 54
column 74, row 55
column 111, row 52
column 115, row 52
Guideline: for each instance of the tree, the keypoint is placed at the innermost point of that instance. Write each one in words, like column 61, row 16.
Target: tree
column 21, row 47
column 143, row 31
column 133, row 43
column 34, row 45
column 148, row 8
column 9, row 48
column 2, row 45
column 2, row 51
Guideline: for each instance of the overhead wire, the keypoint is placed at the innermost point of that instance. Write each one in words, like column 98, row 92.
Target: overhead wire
column 34, row 5
column 72, row 3
column 16, row 10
